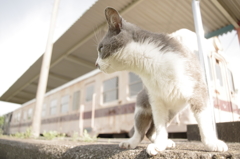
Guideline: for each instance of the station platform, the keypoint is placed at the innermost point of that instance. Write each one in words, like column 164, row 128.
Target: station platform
column 13, row 148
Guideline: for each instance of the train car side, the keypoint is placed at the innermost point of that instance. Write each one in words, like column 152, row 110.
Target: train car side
column 104, row 103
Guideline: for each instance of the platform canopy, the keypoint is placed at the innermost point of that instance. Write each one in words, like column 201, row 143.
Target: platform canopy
column 74, row 53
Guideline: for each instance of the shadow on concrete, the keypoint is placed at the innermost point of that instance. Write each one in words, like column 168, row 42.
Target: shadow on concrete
column 103, row 151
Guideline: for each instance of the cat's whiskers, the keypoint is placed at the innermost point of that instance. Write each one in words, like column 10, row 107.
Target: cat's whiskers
column 98, row 35
column 96, row 40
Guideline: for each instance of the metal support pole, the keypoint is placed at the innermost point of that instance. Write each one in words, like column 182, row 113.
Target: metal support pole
column 238, row 33
column 202, row 52
column 93, row 110
column 81, row 110
column 36, row 122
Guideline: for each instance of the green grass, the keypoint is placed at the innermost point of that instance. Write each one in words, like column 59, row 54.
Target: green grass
column 53, row 134
column 87, row 137
column 50, row 135
column 23, row 135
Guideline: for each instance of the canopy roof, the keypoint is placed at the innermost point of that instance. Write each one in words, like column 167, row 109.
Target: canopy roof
column 74, row 53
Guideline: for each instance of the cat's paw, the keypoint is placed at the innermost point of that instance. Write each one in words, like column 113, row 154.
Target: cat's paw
column 216, row 145
column 153, row 149
column 129, row 144
column 170, row 144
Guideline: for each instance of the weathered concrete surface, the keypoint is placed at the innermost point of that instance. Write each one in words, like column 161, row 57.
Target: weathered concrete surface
column 11, row 148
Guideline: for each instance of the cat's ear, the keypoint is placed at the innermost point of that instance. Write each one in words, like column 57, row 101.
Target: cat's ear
column 114, row 19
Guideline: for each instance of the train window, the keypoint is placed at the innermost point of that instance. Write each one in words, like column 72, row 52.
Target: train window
column 76, row 100
column 13, row 117
column 230, row 80
column 25, row 115
column 44, row 110
column 64, row 104
column 89, row 93
column 18, row 116
column 110, row 90
column 7, row 118
column 218, row 73
column 53, row 107
column 29, row 114
column 135, row 84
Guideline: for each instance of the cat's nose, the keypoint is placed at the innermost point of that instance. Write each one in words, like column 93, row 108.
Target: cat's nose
column 96, row 64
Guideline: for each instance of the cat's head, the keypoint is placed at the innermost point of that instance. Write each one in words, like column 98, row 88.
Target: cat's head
column 111, row 47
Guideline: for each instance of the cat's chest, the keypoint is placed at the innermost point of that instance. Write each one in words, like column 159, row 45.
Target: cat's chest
column 169, row 78
column 163, row 73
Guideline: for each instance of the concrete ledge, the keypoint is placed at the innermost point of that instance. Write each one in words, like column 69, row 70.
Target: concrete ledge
column 104, row 149
column 228, row 131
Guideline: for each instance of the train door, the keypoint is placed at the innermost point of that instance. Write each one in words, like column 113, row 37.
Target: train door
column 232, row 94
column 213, row 85
column 7, row 122
column 89, row 103
column 222, row 101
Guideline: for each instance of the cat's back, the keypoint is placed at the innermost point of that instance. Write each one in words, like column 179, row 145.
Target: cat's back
column 186, row 38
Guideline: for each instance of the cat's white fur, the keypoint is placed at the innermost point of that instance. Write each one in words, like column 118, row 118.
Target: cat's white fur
column 169, row 88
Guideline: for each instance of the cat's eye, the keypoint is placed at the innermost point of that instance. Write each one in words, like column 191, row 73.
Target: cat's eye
column 100, row 48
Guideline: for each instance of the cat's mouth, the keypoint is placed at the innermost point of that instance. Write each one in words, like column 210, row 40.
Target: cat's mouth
column 102, row 66
column 105, row 69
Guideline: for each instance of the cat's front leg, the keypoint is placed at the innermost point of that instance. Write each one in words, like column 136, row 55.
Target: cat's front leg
column 142, row 117
column 160, row 117
column 151, row 135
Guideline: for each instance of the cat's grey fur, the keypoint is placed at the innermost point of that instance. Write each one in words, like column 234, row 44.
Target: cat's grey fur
column 171, row 74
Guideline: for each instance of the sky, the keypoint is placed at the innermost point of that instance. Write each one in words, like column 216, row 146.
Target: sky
column 23, row 35
column 24, row 30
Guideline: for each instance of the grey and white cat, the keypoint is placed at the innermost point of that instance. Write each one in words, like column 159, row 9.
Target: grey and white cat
column 171, row 74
